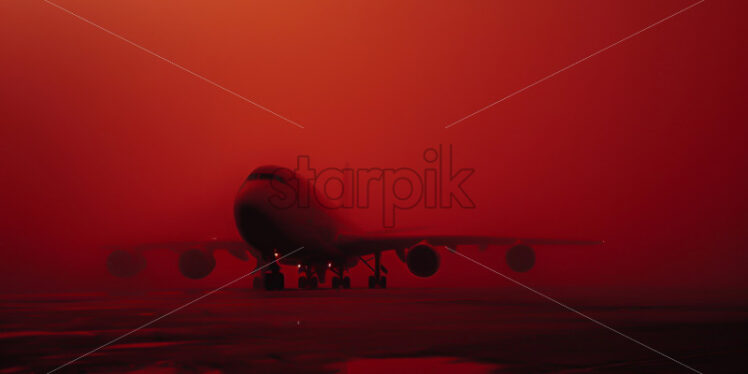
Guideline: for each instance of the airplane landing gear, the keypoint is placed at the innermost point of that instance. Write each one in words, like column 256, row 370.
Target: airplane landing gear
column 307, row 280
column 302, row 282
column 377, row 280
column 274, row 279
column 338, row 282
column 308, row 283
column 382, row 283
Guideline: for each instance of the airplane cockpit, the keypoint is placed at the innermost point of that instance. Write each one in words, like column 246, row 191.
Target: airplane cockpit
column 271, row 173
column 276, row 177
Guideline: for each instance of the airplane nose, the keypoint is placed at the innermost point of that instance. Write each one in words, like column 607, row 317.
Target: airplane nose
column 254, row 223
column 246, row 192
column 251, row 195
column 247, row 207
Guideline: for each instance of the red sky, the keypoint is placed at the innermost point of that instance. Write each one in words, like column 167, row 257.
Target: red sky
column 642, row 145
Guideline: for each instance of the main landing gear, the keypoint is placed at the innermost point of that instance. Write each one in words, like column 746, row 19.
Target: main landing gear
column 340, row 280
column 308, row 283
column 377, row 280
column 307, row 280
column 273, row 279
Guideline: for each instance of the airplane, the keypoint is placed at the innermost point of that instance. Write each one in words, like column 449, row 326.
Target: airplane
column 272, row 233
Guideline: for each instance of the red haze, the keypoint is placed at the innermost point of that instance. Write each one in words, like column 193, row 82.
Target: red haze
column 642, row 145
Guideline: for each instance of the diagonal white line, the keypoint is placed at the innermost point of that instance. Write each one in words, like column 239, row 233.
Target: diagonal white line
column 571, row 309
column 196, row 75
column 573, row 64
column 172, row 311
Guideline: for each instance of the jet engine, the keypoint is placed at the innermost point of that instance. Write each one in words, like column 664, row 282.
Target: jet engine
column 196, row 263
column 125, row 264
column 422, row 260
column 520, row 258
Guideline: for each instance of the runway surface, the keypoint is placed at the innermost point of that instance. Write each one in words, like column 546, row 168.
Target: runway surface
column 363, row 331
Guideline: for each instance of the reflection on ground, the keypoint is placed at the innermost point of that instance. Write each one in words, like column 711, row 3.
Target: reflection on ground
column 361, row 331
column 415, row 365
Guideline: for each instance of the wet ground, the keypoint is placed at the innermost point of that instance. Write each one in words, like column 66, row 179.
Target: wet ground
column 363, row 331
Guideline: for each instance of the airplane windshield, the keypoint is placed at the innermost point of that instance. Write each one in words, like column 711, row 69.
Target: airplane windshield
column 278, row 178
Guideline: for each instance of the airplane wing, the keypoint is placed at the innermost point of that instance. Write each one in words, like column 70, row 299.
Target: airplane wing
column 195, row 257
column 396, row 241
column 416, row 250
column 237, row 248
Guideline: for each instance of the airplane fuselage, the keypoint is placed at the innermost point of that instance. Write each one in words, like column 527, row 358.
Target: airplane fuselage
column 273, row 228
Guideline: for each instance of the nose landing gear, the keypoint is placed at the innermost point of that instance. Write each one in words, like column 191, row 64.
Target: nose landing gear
column 273, row 280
